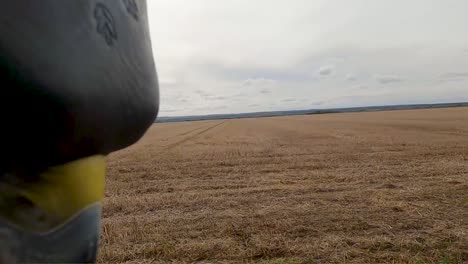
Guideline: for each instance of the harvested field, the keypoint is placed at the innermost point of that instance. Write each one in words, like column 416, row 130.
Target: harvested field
column 373, row 187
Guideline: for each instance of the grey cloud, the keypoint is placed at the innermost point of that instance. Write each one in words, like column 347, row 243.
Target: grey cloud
column 265, row 91
column 183, row 99
column 258, row 82
column 209, row 96
column 453, row 77
column 202, row 93
column 253, row 105
column 288, row 100
column 325, row 70
column 212, row 97
column 350, row 77
column 386, row 79
column 219, row 97
column 211, row 108
column 318, row 103
column 240, row 95
column 360, row 88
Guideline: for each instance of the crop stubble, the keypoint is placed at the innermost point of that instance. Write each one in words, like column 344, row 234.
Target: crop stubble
column 373, row 187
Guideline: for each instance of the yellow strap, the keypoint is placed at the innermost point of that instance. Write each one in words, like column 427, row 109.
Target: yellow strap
column 63, row 190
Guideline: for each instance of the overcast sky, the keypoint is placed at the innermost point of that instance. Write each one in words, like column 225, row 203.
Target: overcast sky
column 231, row 56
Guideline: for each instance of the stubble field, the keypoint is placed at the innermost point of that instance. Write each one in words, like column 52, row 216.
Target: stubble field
column 374, row 187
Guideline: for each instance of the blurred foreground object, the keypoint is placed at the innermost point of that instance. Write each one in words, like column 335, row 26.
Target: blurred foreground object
column 78, row 81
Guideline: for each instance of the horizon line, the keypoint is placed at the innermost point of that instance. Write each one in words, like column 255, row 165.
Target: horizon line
column 312, row 110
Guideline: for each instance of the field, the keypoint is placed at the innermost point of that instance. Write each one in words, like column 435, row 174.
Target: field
column 373, row 187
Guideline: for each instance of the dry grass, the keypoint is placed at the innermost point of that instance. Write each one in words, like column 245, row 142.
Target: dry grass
column 377, row 187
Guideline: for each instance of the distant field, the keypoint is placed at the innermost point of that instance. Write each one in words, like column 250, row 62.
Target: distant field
column 373, row 187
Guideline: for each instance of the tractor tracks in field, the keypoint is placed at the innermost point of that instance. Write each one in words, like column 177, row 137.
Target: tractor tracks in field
column 189, row 132
column 192, row 136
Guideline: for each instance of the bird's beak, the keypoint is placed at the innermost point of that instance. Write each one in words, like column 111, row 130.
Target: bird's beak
column 54, row 218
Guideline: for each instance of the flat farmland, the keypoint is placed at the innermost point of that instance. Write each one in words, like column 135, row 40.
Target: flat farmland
column 371, row 187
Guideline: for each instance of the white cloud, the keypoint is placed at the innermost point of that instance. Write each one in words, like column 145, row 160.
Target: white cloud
column 222, row 56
